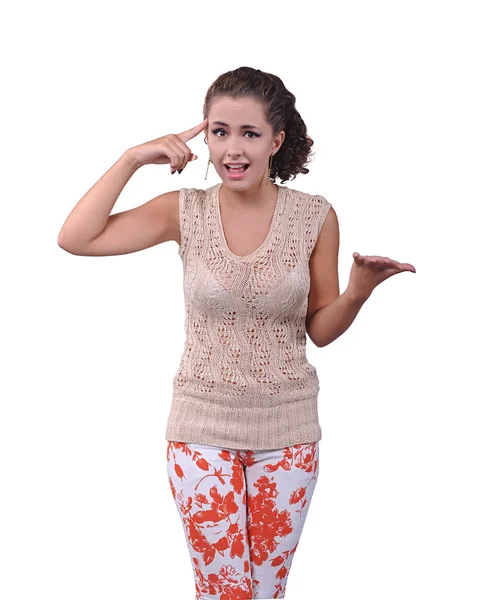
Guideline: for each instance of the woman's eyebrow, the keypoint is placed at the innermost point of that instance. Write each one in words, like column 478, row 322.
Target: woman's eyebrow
column 242, row 126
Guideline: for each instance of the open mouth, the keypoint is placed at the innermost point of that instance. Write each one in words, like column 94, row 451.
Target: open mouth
column 237, row 170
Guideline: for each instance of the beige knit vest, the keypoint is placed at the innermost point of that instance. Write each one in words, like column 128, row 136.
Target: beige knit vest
column 244, row 381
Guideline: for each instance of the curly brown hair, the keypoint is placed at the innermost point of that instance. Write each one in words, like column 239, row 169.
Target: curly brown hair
column 280, row 112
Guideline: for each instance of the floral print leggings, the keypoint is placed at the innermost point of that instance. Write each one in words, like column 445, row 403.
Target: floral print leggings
column 242, row 513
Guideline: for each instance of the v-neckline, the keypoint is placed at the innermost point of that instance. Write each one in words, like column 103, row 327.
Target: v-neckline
column 252, row 255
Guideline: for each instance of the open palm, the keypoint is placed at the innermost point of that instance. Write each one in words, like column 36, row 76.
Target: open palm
column 367, row 272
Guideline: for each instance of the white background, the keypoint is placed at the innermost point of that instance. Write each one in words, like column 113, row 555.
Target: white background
column 90, row 344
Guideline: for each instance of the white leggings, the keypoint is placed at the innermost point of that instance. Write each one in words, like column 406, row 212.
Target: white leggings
column 243, row 512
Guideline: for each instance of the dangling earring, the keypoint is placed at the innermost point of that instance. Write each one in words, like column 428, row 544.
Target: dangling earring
column 209, row 160
column 208, row 166
column 269, row 174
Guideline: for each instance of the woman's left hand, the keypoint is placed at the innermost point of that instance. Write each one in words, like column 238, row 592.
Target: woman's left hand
column 368, row 272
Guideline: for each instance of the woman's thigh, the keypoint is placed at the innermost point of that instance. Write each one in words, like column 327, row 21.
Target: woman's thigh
column 242, row 512
column 280, row 484
column 208, row 486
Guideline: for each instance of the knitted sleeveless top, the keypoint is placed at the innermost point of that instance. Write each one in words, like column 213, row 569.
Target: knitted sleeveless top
column 244, row 381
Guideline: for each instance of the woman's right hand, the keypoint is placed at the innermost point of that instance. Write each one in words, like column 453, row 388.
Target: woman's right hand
column 169, row 149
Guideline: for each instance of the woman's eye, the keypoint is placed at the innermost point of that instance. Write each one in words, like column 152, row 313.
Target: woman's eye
column 252, row 132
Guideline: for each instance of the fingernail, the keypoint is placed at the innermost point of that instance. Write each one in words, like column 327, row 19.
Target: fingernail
column 179, row 171
column 172, row 171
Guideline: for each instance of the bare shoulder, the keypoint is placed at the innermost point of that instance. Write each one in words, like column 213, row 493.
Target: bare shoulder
column 174, row 202
column 329, row 234
column 164, row 212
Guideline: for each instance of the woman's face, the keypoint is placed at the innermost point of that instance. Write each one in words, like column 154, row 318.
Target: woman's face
column 238, row 132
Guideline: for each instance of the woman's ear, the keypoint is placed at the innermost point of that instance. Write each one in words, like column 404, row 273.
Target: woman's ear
column 278, row 141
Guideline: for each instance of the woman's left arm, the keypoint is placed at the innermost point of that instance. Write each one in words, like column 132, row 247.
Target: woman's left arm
column 329, row 313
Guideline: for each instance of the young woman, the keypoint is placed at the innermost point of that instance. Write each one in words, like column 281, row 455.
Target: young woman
column 260, row 268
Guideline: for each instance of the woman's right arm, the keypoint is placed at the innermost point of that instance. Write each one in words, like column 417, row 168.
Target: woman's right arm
column 90, row 230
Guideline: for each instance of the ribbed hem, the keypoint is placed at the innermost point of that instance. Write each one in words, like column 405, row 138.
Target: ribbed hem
column 246, row 428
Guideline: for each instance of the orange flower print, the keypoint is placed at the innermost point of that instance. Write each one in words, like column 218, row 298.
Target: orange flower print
column 242, row 513
column 179, row 471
